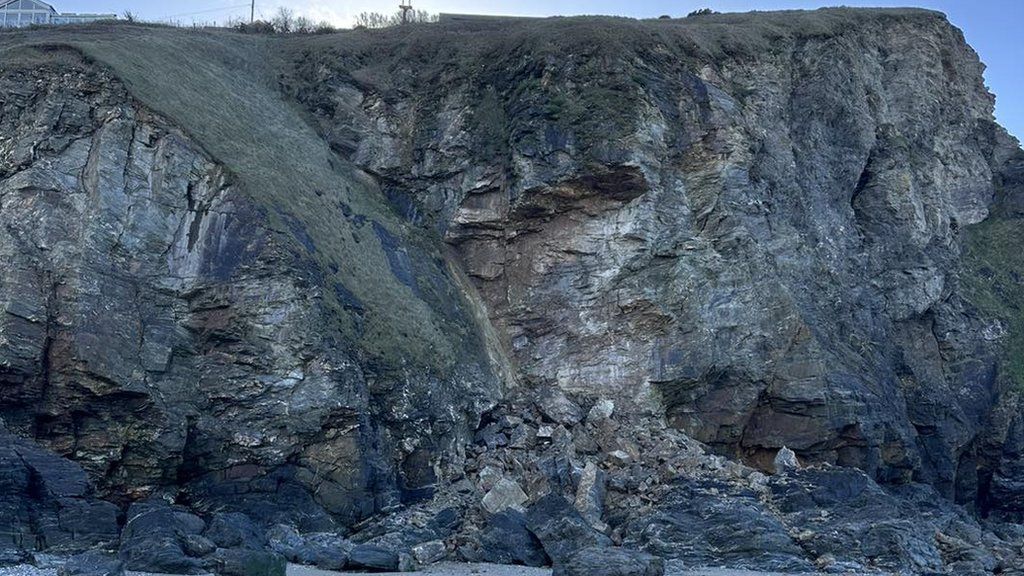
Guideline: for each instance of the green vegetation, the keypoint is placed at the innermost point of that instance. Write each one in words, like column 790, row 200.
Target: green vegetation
column 994, row 282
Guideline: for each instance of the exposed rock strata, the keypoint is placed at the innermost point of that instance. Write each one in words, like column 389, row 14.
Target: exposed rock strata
column 242, row 338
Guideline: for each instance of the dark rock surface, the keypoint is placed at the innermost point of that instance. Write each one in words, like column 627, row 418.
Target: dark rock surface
column 561, row 529
column 92, row 563
column 159, row 537
column 373, row 558
column 700, row 527
column 507, row 540
column 325, row 551
column 248, row 562
column 48, row 502
column 610, row 562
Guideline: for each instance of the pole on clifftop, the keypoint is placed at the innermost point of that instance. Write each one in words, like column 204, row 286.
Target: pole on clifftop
column 252, row 12
column 405, row 5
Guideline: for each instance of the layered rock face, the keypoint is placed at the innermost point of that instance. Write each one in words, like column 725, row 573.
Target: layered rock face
column 165, row 330
column 755, row 224
column 462, row 276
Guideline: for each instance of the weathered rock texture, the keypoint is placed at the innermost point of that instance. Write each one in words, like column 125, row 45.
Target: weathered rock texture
column 175, row 334
column 757, row 222
column 293, row 277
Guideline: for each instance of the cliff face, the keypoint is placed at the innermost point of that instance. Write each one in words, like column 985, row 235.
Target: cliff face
column 294, row 277
column 757, row 222
column 169, row 329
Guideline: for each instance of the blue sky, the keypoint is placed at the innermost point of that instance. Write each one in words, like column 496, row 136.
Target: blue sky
column 993, row 27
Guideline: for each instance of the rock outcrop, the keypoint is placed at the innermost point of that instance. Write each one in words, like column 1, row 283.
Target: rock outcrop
column 527, row 291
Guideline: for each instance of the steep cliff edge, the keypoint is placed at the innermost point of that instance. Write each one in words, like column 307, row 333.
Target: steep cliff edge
column 314, row 279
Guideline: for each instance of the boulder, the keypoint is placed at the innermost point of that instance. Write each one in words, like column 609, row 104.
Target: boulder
column 554, row 405
column 505, row 494
column 710, row 523
column 155, row 537
column 601, row 410
column 590, row 494
column 430, row 552
column 235, row 530
column 373, row 558
column 603, row 561
column 561, row 529
column 506, row 540
column 785, row 460
column 324, row 550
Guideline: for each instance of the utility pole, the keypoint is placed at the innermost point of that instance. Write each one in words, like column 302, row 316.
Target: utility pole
column 406, row 6
column 252, row 12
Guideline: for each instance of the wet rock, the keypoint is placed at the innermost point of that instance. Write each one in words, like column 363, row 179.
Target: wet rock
column 92, row 563
column 606, row 561
column 505, row 494
column 197, row 546
column 561, row 529
column 506, row 540
column 373, row 558
column 444, row 522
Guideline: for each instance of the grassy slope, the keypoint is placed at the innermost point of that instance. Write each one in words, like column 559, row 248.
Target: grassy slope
column 220, row 88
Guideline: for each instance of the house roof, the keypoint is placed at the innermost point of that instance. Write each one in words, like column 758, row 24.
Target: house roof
column 6, row 4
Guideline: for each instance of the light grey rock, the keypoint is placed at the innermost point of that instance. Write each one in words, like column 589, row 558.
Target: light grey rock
column 504, row 495
column 558, row 408
column 785, row 460
column 590, row 494
column 430, row 552
column 601, row 410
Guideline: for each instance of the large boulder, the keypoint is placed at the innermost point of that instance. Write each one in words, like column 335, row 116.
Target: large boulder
column 157, row 537
column 326, row 551
column 710, row 523
column 561, row 529
column 373, row 558
column 506, row 540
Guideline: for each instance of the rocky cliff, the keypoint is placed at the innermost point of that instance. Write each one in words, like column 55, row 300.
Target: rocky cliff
column 437, row 274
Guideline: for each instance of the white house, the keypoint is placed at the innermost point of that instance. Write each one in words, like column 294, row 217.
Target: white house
column 17, row 13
